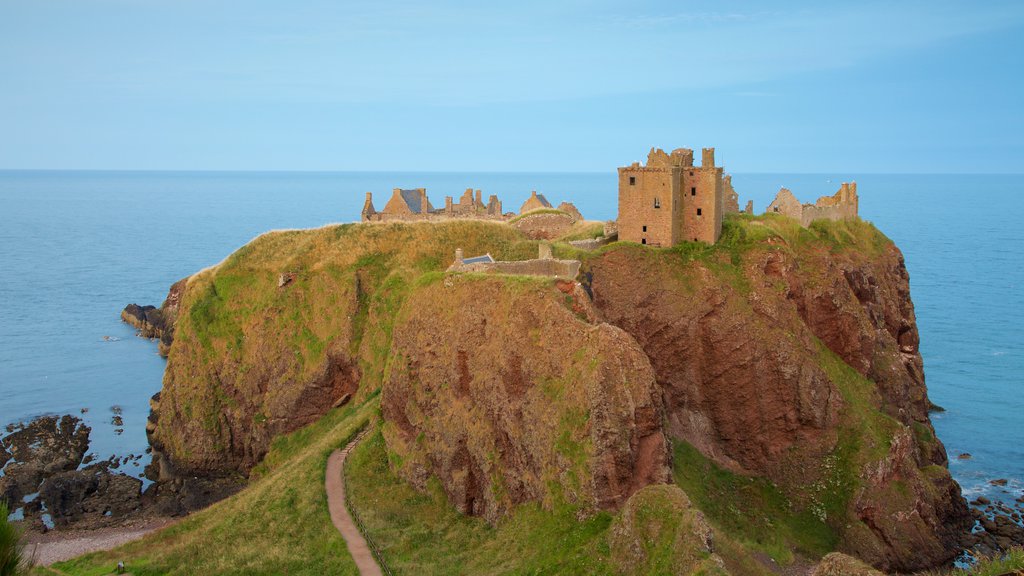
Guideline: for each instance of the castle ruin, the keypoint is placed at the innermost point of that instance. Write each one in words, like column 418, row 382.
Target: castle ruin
column 414, row 205
column 669, row 200
column 842, row 205
column 544, row 265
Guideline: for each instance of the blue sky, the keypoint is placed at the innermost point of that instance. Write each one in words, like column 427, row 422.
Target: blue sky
column 934, row 86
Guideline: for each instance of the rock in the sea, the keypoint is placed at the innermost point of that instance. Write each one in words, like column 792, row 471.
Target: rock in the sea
column 964, row 456
column 660, row 532
column 998, row 482
column 838, row 564
column 153, row 322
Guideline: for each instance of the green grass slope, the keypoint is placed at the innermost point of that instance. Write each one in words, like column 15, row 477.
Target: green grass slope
column 279, row 524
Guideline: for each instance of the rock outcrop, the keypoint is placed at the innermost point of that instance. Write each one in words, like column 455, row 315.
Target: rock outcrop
column 90, row 494
column 660, row 532
column 157, row 323
column 45, row 446
column 517, row 398
column 754, row 350
column 839, row 564
column 253, row 358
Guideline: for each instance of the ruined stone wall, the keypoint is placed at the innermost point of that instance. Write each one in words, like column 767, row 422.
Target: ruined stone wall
column 571, row 209
column 567, row 269
column 534, row 202
column 544, row 225
column 842, row 205
column 732, row 199
column 786, row 204
column 648, row 205
column 437, row 216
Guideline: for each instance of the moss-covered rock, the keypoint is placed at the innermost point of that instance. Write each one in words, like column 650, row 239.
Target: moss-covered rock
column 660, row 532
column 501, row 391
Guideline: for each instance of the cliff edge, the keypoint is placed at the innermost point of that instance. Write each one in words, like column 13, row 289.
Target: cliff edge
column 781, row 354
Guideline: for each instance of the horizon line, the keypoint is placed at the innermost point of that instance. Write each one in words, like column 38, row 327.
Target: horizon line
column 406, row 171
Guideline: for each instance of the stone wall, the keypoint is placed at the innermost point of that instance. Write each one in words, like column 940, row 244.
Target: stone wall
column 543, row 265
column 544, row 225
column 842, row 205
column 732, row 199
column 649, row 204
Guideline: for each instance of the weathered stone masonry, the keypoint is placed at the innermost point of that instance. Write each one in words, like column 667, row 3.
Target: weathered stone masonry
column 842, row 205
column 669, row 200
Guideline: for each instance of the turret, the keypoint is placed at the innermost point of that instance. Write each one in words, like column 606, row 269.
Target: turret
column 707, row 158
column 368, row 209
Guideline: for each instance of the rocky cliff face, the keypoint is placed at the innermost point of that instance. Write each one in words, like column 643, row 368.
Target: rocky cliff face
column 499, row 389
column 287, row 328
column 753, row 350
column 783, row 353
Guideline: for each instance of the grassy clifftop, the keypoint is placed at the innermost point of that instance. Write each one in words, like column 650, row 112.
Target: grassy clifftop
column 253, row 359
column 297, row 322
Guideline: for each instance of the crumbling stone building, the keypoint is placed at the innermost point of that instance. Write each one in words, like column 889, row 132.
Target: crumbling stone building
column 544, row 265
column 842, row 205
column 534, row 202
column 669, row 200
column 414, row 205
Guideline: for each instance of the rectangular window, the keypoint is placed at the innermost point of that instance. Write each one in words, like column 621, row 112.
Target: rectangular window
column 643, row 240
column 645, row 228
column 632, row 180
column 698, row 211
column 657, row 203
column 693, row 191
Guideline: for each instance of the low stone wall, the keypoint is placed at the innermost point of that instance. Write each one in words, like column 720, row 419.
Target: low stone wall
column 567, row 269
column 544, row 225
column 811, row 213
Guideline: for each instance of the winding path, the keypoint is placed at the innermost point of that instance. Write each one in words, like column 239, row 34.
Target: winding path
column 342, row 520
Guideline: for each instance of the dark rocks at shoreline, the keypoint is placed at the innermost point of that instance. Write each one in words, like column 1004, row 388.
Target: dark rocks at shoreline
column 46, row 446
column 998, row 528
column 48, row 457
column 90, row 497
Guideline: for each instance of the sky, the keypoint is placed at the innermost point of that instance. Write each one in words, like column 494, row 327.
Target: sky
column 579, row 85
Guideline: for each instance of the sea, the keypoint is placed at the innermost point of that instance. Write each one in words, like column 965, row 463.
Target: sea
column 76, row 247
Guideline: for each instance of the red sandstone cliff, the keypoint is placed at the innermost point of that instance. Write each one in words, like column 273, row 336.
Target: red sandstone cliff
column 499, row 389
column 782, row 352
column 742, row 347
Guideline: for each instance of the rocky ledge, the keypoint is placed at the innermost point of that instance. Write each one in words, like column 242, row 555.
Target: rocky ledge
column 50, row 479
column 157, row 323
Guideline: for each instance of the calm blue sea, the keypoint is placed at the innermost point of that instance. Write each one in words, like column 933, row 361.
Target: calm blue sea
column 75, row 247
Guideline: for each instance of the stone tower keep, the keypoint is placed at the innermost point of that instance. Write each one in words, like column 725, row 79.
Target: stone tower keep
column 670, row 200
